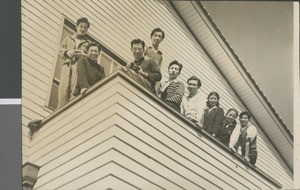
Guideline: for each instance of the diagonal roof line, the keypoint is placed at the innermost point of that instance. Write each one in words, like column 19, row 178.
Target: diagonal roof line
column 245, row 71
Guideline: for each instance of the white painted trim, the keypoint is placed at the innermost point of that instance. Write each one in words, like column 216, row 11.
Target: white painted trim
column 61, row 28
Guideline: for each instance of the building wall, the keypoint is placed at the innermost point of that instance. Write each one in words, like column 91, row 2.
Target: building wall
column 109, row 134
column 115, row 24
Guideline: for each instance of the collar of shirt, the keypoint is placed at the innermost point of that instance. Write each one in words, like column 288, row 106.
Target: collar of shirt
column 138, row 62
column 246, row 127
column 157, row 51
column 194, row 95
column 228, row 123
column 80, row 37
column 167, row 83
column 151, row 47
column 93, row 62
column 79, row 40
column 209, row 109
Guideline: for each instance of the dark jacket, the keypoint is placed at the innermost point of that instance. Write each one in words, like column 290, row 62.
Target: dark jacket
column 151, row 67
column 213, row 120
column 89, row 72
column 226, row 131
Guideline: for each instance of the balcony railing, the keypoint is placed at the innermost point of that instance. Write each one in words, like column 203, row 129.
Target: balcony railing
column 157, row 101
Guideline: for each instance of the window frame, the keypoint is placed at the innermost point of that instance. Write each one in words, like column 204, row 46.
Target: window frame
column 112, row 63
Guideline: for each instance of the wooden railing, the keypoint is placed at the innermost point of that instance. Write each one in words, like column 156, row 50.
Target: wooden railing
column 35, row 126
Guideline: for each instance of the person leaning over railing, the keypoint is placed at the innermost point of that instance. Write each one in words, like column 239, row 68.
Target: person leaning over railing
column 171, row 91
column 192, row 104
column 247, row 138
column 88, row 70
column 213, row 114
column 146, row 72
column 71, row 49
column 228, row 131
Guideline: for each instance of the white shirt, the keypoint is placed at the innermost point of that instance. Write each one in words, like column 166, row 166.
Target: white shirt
column 234, row 137
column 251, row 133
column 193, row 107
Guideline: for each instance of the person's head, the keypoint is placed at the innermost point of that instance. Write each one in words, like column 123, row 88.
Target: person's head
column 231, row 115
column 193, row 84
column 157, row 36
column 82, row 26
column 174, row 69
column 93, row 49
column 244, row 117
column 137, row 48
column 213, row 99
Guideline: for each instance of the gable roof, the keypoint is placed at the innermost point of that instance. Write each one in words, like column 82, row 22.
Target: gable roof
column 230, row 66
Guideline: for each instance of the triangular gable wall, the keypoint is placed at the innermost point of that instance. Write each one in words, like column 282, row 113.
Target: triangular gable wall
column 115, row 24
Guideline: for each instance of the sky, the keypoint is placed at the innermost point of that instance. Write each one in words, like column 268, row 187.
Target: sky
column 261, row 34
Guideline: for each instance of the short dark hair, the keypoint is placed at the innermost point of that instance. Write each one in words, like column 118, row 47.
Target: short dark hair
column 175, row 62
column 138, row 41
column 93, row 44
column 215, row 94
column 245, row 113
column 233, row 109
column 83, row 19
column 158, row 30
column 195, row 78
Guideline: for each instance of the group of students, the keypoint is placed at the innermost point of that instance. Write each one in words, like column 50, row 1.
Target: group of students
column 208, row 115
column 80, row 70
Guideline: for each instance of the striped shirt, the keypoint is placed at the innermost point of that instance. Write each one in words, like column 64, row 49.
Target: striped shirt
column 173, row 92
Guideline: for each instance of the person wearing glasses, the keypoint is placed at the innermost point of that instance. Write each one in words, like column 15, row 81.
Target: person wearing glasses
column 192, row 104
column 71, row 49
column 147, row 69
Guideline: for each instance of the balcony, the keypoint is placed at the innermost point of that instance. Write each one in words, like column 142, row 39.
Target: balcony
column 120, row 136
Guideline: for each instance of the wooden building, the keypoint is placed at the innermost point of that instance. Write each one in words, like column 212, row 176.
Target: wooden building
column 120, row 136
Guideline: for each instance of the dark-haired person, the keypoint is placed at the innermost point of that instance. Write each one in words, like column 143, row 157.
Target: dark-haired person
column 71, row 49
column 172, row 90
column 88, row 70
column 152, row 52
column 157, row 35
column 228, row 130
column 247, row 138
column 192, row 105
column 213, row 114
column 148, row 69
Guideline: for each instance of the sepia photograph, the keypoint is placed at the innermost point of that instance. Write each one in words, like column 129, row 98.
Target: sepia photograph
column 159, row 94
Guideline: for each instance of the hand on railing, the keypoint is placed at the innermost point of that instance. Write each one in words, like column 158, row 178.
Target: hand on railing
column 83, row 90
column 232, row 150
column 247, row 159
column 142, row 73
column 199, row 125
